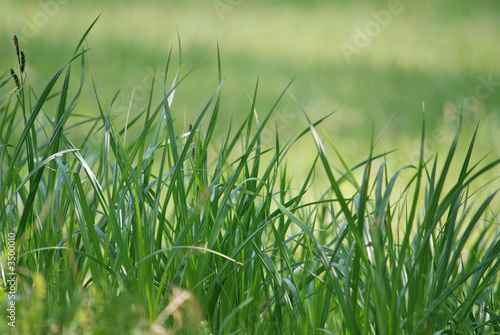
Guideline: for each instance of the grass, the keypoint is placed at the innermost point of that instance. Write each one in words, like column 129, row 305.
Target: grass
column 165, row 230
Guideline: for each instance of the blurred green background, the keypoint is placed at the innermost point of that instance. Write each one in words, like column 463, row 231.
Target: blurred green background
column 373, row 63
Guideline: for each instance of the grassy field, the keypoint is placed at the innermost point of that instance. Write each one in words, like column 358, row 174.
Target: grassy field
column 429, row 52
column 229, row 199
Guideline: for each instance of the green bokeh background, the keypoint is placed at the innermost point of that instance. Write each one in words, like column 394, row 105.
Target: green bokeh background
column 436, row 52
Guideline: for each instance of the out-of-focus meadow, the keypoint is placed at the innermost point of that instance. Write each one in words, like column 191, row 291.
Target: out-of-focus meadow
column 372, row 63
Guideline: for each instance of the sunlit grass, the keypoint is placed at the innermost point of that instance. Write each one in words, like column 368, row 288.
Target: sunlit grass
column 148, row 224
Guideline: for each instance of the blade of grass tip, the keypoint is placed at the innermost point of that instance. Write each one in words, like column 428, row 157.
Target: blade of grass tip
column 215, row 112
column 174, row 82
column 253, row 113
column 378, row 192
column 383, row 130
column 154, row 140
column 382, row 208
column 229, row 146
column 335, row 186
column 436, row 193
column 256, row 137
column 170, row 126
column 256, row 163
column 453, row 195
column 481, row 172
column 465, row 165
column 159, row 125
column 307, row 129
column 219, row 68
column 165, row 73
column 344, row 165
column 304, row 132
column 361, row 164
column 85, row 35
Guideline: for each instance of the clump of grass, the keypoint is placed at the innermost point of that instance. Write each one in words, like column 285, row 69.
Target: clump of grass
column 155, row 236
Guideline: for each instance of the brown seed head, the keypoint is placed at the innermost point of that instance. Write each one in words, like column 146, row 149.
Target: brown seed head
column 23, row 62
column 16, row 79
column 16, row 44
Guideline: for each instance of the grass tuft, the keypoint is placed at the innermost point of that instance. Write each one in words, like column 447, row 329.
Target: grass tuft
column 146, row 227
